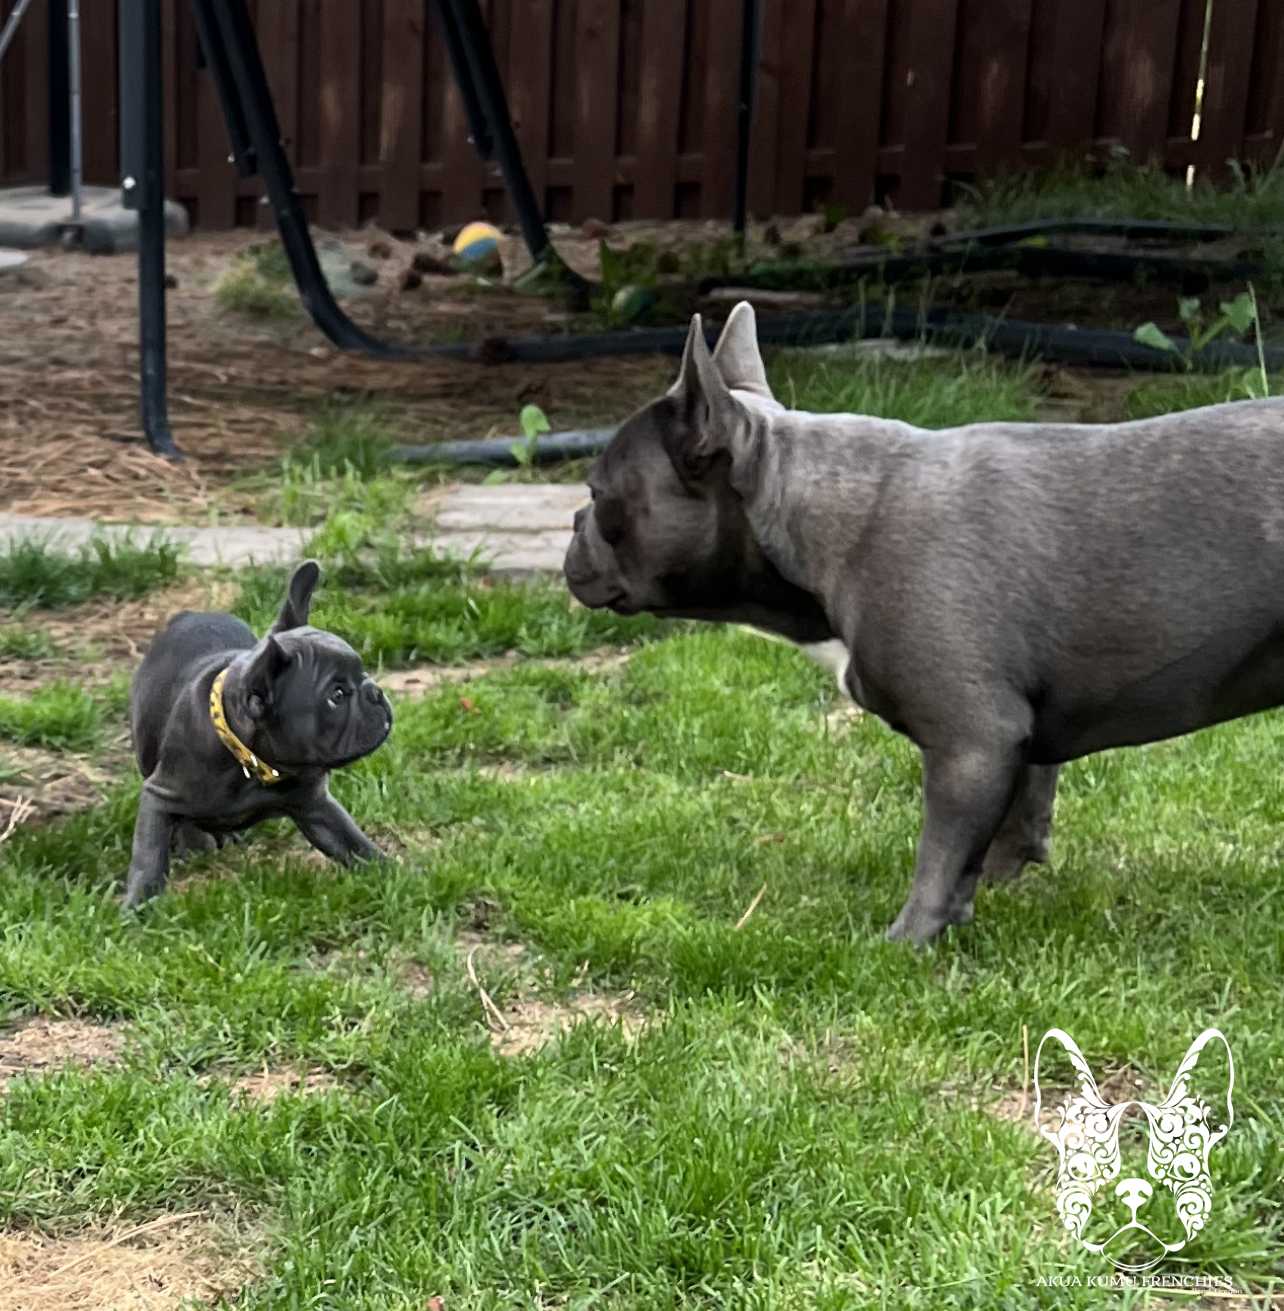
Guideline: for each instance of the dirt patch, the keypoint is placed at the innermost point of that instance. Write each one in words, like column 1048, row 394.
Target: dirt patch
column 421, row 679
column 409, row 975
column 241, row 390
column 531, row 1023
column 526, row 1022
column 163, row 1264
column 58, row 782
column 115, row 631
column 1016, row 1105
column 40, row 1045
column 267, row 1085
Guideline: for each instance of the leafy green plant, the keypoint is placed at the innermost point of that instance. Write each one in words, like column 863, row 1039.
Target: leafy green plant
column 533, row 423
column 1238, row 316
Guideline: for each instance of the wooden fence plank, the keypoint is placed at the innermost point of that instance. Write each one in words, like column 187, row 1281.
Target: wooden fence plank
column 663, row 54
column 529, row 86
column 796, row 71
column 216, row 188
column 1003, row 65
column 1075, row 73
column 860, row 102
column 401, row 118
column 721, row 94
column 930, row 58
column 1230, row 62
column 278, row 27
column 463, row 175
column 1138, row 66
column 34, row 35
column 339, row 128
column 597, row 52
column 764, row 130
column 100, row 128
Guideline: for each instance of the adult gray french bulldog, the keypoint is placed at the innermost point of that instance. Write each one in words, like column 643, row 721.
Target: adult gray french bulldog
column 229, row 730
column 1009, row 596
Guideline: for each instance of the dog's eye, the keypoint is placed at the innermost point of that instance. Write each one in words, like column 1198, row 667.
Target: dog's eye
column 335, row 697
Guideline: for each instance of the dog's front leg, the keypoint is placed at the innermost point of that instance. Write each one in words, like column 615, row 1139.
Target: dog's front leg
column 149, row 863
column 334, row 833
column 966, row 793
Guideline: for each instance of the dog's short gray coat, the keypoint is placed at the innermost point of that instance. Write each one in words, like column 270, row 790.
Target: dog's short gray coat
column 299, row 699
column 1010, row 596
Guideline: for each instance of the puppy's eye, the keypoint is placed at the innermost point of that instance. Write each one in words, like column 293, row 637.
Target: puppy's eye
column 335, row 697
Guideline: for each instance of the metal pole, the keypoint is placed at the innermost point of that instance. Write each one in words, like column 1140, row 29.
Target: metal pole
column 141, row 70
column 73, row 73
column 11, row 25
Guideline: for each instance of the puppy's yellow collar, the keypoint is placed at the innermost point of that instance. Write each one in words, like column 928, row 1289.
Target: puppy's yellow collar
column 251, row 765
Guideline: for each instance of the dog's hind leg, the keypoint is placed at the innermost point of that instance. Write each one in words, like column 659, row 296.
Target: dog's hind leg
column 966, row 794
column 190, row 838
column 1026, row 831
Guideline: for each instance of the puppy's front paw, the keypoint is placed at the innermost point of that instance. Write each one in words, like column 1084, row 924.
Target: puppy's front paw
column 136, row 898
column 916, row 925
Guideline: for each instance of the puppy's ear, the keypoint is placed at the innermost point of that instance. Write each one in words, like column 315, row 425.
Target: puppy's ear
column 266, row 664
column 706, row 418
column 298, row 597
column 1180, row 1090
column 737, row 355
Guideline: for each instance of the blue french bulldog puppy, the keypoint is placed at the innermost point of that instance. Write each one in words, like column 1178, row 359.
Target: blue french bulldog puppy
column 229, row 730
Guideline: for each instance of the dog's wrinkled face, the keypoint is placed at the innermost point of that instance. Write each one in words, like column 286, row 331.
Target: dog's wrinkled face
column 666, row 530
column 306, row 691
column 1180, row 1137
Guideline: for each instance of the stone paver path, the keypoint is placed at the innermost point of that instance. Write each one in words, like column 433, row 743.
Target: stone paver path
column 519, row 528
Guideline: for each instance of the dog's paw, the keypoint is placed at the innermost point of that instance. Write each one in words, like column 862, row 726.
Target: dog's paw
column 917, row 926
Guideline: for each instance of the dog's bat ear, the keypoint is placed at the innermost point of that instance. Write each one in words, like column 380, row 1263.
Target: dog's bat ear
column 1088, row 1089
column 266, row 664
column 705, row 416
column 1179, row 1090
column 298, row 597
column 737, row 355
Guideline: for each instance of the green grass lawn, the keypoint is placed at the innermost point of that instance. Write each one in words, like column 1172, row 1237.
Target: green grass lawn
column 797, row 1114
column 801, row 1122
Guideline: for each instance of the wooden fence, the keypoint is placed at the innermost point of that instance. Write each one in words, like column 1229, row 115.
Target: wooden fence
column 626, row 108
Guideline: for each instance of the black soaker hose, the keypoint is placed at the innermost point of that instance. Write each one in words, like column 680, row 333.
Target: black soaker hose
column 1074, row 346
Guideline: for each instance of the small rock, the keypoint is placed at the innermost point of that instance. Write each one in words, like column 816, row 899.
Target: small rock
column 426, row 262
column 379, row 249
column 411, row 279
column 362, row 274
column 171, row 282
column 595, row 229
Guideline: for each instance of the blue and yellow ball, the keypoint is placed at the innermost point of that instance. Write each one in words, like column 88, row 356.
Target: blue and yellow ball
column 477, row 245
